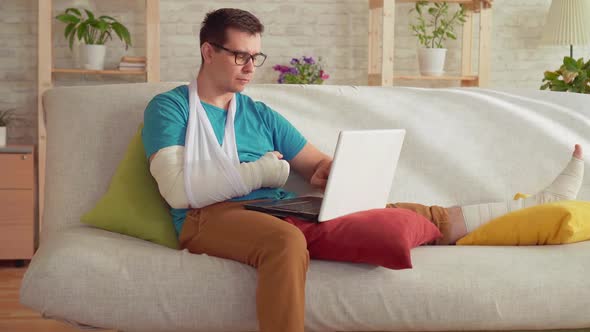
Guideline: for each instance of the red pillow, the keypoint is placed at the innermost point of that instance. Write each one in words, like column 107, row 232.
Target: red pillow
column 380, row 237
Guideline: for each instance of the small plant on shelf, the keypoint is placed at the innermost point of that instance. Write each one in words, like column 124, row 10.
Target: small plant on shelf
column 93, row 32
column 433, row 26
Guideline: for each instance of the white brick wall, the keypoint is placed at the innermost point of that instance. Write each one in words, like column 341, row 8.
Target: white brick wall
column 334, row 29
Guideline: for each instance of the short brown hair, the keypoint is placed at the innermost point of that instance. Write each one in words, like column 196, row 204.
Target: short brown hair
column 218, row 21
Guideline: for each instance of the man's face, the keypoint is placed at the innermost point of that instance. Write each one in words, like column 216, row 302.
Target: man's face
column 228, row 75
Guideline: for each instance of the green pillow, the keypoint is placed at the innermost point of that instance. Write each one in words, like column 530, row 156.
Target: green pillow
column 133, row 205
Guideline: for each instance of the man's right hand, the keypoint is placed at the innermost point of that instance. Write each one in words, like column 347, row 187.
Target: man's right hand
column 321, row 174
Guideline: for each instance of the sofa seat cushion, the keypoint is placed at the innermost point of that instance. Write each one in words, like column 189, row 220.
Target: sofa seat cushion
column 109, row 280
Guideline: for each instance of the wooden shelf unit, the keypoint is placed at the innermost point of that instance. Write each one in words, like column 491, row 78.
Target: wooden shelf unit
column 99, row 72
column 382, row 44
column 45, row 71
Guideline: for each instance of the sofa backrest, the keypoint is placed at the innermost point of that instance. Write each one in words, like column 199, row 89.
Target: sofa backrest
column 462, row 145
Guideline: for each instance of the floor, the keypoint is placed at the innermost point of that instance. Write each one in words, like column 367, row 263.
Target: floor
column 13, row 316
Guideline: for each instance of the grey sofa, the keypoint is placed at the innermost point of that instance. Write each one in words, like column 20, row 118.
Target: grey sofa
column 462, row 146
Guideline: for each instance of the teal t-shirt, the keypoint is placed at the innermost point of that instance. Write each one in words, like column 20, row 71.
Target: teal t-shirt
column 258, row 128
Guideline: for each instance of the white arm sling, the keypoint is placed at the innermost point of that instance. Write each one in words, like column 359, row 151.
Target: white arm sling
column 210, row 170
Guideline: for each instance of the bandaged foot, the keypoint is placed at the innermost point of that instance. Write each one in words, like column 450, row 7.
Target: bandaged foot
column 455, row 222
column 565, row 187
column 268, row 171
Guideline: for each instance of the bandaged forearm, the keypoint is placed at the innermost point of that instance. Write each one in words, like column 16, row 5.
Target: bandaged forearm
column 267, row 172
column 210, row 182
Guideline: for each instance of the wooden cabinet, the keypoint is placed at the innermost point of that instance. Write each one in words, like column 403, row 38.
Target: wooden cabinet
column 18, row 229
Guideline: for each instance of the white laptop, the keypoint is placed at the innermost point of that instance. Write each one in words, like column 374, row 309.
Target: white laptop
column 360, row 178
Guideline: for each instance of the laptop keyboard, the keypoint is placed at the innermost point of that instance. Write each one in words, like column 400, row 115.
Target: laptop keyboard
column 302, row 206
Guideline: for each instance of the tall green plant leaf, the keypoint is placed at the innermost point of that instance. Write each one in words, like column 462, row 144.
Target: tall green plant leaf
column 105, row 17
column 122, row 32
column 74, row 10
column 69, row 28
column 89, row 14
column 82, row 34
column 71, row 39
column 66, row 18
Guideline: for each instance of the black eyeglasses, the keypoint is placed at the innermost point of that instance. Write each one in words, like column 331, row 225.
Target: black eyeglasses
column 242, row 58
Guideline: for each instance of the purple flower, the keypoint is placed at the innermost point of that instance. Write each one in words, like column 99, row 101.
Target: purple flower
column 281, row 68
column 303, row 70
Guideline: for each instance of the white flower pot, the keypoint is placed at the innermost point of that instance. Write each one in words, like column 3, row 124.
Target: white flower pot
column 2, row 136
column 432, row 61
column 92, row 56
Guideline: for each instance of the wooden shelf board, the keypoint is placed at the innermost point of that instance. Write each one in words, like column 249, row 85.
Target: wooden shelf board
column 436, row 78
column 379, row 3
column 98, row 72
column 449, row 1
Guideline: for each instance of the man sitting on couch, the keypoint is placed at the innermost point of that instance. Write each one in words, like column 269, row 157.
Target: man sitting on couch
column 212, row 149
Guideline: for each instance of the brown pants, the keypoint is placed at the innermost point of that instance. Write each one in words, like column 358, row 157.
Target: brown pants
column 277, row 249
column 441, row 217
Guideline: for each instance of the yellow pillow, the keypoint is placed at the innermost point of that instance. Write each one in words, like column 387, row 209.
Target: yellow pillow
column 552, row 223
column 520, row 195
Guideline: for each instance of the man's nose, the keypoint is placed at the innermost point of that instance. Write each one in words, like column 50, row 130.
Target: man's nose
column 249, row 66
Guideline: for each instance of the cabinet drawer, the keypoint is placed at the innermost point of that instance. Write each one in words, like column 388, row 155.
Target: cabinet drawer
column 16, row 171
column 16, row 242
column 16, row 207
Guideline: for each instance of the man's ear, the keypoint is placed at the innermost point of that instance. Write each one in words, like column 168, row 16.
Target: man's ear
column 207, row 52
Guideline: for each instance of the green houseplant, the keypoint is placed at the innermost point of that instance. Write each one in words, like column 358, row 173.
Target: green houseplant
column 93, row 32
column 572, row 76
column 434, row 25
column 6, row 117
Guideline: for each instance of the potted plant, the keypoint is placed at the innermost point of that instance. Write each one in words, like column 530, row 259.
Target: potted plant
column 572, row 76
column 93, row 32
column 302, row 71
column 6, row 117
column 434, row 26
